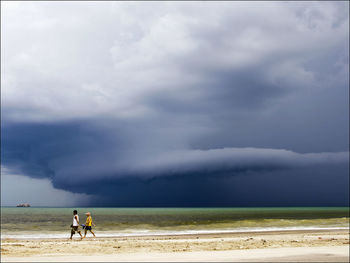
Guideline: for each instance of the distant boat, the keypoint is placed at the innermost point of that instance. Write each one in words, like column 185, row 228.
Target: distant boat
column 23, row 205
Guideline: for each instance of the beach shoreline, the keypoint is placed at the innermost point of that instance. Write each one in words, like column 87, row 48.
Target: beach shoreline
column 182, row 235
column 311, row 245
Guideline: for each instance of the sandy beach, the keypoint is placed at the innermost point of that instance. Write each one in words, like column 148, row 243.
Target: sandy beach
column 297, row 246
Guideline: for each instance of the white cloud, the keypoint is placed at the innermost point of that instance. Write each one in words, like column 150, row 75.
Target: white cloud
column 53, row 53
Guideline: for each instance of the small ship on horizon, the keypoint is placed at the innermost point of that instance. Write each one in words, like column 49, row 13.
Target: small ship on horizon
column 23, row 205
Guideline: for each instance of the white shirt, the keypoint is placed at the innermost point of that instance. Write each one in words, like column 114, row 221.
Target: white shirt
column 75, row 222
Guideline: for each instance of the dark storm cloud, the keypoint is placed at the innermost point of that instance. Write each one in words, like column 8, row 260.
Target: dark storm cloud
column 314, row 187
column 185, row 104
column 78, row 157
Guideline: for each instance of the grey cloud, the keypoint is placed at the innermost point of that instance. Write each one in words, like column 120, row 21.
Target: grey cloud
column 183, row 48
column 72, row 152
column 115, row 94
column 215, row 162
column 16, row 189
column 235, row 159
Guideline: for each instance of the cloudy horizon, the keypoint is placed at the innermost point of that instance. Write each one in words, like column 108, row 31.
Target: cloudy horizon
column 175, row 103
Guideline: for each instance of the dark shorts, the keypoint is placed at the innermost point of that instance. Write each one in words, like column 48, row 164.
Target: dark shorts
column 75, row 228
column 88, row 228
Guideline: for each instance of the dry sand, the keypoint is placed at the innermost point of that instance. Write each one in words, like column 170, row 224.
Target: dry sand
column 297, row 246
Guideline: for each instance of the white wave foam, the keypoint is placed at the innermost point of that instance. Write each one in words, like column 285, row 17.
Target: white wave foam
column 146, row 232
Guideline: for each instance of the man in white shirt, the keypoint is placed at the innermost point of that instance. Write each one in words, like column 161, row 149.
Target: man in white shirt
column 75, row 226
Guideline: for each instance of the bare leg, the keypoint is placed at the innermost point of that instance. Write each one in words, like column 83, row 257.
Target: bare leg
column 81, row 237
column 85, row 231
column 92, row 233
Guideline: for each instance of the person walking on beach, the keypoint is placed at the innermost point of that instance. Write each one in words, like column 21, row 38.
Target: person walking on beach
column 75, row 226
column 88, row 224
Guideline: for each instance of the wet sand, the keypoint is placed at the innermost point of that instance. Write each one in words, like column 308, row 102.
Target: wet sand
column 296, row 246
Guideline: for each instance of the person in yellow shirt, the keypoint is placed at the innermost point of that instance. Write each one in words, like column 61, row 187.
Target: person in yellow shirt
column 88, row 224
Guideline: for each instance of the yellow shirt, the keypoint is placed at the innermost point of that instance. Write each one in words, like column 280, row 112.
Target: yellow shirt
column 88, row 221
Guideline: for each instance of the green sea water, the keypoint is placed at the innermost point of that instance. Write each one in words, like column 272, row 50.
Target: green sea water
column 55, row 222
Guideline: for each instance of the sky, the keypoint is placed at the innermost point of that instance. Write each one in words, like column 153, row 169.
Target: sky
column 175, row 104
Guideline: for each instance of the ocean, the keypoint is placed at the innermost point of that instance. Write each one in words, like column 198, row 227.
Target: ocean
column 40, row 222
